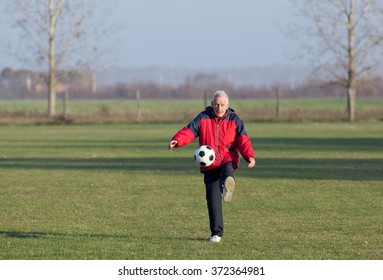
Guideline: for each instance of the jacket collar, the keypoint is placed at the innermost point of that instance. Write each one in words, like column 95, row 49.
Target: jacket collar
column 229, row 111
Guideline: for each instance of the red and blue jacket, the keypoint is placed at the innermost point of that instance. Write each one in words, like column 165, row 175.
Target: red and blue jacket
column 226, row 135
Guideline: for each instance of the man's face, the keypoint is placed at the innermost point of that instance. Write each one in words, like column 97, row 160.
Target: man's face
column 220, row 105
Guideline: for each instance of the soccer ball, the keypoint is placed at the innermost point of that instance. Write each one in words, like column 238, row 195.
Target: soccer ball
column 204, row 156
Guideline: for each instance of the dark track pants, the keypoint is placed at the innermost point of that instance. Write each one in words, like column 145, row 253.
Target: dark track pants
column 214, row 180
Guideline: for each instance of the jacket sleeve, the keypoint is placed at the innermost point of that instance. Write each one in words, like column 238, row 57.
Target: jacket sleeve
column 184, row 137
column 244, row 143
column 245, row 147
column 188, row 133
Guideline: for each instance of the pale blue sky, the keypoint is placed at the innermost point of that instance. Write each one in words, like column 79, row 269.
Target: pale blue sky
column 195, row 33
column 204, row 33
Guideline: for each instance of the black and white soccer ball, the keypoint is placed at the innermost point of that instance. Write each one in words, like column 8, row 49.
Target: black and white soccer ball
column 204, row 155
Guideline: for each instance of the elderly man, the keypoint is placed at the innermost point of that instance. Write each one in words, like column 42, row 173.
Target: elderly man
column 219, row 127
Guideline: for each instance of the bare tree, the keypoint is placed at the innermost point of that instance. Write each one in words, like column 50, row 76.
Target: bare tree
column 345, row 39
column 56, row 34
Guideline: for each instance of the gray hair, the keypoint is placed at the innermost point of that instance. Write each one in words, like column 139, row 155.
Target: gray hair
column 220, row 93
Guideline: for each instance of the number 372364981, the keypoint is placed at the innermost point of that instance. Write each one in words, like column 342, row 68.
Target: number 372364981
column 224, row 270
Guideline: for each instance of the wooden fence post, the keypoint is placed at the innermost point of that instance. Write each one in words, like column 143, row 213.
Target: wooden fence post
column 138, row 98
column 277, row 105
column 205, row 99
column 65, row 104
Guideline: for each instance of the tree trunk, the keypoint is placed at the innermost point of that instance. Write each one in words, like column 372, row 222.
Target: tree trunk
column 351, row 71
column 52, row 63
column 52, row 84
column 351, row 103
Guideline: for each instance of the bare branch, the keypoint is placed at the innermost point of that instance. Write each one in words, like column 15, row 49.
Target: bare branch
column 346, row 39
column 55, row 12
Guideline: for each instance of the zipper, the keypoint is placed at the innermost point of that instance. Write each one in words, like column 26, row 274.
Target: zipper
column 217, row 140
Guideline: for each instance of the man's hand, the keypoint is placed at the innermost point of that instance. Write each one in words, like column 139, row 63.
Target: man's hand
column 172, row 144
column 251, row 163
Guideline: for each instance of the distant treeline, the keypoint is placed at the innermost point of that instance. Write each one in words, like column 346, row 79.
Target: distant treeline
column 78, row 85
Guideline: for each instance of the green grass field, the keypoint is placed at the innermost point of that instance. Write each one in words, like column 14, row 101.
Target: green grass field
column 115, row 192
column 170, row 111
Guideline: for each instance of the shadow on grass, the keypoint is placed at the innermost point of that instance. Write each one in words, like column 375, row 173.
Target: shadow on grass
column 273, row 168
column 37, row 235
column 324, row 168
column 42, row 235
column 156, row 144
column 319, row 144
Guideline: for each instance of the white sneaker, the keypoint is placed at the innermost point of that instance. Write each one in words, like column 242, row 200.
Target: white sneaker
column 228, row 189
column 215, row 239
